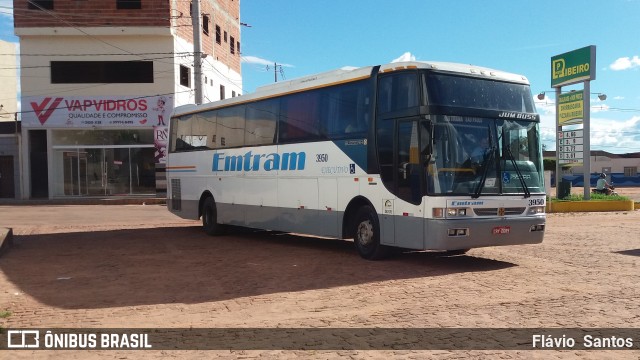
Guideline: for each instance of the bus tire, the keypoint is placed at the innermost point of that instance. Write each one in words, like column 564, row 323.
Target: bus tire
column 366, row 235
column 210, row 218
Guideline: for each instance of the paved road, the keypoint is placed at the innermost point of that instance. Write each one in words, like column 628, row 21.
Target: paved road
column 139, row 266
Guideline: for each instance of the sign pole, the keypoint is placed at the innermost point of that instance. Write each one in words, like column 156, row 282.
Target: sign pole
column 586, row 157
column 558, row 130
column 566, row 69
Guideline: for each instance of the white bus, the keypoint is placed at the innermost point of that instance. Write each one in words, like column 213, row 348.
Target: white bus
column 413, row 155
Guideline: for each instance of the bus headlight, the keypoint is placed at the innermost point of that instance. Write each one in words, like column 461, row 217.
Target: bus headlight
column 536, row 210
column 449, row 212
column 455, row 212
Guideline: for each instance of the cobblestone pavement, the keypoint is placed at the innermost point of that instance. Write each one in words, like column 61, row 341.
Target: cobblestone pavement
column 140, row 266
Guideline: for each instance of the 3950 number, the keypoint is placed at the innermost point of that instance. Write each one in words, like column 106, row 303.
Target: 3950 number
column 322, row 157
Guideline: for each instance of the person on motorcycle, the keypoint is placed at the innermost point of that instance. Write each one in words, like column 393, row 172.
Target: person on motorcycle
column 602, row 186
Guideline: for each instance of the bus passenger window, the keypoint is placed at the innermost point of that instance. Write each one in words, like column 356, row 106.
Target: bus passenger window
column 345, row 110
column 260, row 127
column 181, row 133
column 398, row 92
column 230, row 127
column 299, row 117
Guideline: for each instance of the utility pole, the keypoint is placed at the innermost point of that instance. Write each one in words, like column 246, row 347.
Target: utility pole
column 197, row 52
column 275, row 71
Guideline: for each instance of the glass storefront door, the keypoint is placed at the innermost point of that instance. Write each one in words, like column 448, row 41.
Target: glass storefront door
column 74, row 165
column 116, row 171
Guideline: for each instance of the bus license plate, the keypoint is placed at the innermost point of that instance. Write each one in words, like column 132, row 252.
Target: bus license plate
column 501, row 230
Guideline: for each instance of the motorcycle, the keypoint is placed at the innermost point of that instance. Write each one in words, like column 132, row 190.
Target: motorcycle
column 606, row 191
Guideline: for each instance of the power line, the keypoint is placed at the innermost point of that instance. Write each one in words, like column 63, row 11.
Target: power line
column 277, row 68
column 48, row 66
column 105, row 54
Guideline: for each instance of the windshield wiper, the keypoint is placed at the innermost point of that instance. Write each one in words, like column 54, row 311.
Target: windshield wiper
column 485, row 166
column 527, row 193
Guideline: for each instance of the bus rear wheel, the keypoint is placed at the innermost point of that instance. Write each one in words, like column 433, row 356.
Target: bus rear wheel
column 210, row 218
column 366, row 235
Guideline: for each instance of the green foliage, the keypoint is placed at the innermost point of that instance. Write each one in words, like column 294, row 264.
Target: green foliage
column 549, row 164
column 3, row 315
column 598, row 197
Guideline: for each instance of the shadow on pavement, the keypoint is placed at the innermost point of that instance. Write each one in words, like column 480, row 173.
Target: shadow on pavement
column 634, row 252
column 183, row 265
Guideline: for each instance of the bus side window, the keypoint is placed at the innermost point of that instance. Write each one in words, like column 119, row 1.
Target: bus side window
column 299, row 117
column 230, row 126
column 181, row 133
column 260, row 127
column 203, row 130
column 173, row 146
column 398, row 92
column 346, row 110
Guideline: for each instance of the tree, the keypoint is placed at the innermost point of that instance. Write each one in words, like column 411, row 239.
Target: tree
column 549, row 164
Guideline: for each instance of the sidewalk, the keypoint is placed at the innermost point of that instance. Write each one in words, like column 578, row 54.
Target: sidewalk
column 129, row 200
column 6, row 232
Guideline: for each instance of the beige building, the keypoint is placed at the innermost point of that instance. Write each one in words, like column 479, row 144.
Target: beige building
column 9, row 128
column 622, row 169
column 99, row 81
column 9, row 79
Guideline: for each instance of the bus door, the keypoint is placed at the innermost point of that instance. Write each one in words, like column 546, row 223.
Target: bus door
column 404, row 176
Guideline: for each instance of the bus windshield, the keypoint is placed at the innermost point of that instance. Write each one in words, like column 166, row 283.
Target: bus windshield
column 474, row 93
column 481, row 156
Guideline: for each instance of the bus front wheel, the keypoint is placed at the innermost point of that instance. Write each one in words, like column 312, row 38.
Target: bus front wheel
column 366, row 235
column 210, row 218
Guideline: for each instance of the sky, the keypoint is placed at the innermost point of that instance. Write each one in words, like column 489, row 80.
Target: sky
column 306, row 37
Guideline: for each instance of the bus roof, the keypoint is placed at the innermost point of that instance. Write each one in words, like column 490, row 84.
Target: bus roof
column 462, row 69
column 348, row 74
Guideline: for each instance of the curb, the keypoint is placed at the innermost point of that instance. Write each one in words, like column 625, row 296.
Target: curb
column 96, row 201
column 590, row 206
column 6, row 240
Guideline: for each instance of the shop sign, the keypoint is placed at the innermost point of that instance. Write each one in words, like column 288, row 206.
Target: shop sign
column 92, row 112
column 574, row 66
column 160, row 142
column 571, row 108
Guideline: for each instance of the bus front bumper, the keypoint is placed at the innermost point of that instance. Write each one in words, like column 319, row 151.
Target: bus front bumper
column 454, row 234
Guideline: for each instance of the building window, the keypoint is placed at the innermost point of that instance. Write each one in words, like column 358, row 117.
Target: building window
column 185, row 76
column 40, row 4
column 225, row 36
column 232, row 45
column 92, row 72
column 218, row 40
column 630, row 171
column 128, row 4
column 233, row 94
column 238, row 47
column 205, row 24
column 222, row 92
